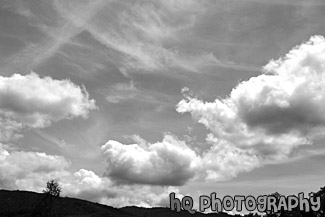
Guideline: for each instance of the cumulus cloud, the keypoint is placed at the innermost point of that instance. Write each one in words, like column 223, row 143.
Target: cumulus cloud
column 271, row 114
column 87, row 185
column 27, row 170
column 173, row 162
column 261, row 122
column 170, row 162
column 36, row 102
column 32, row 101
column 224, row 161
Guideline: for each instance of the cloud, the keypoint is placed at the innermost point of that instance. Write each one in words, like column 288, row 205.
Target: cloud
column 223, row 161
column 9, row 129
column 173, row 162
column 146, row 22
column 57, row 32
column 139, row 195
column 132, row 91
column 87, row 185
column 141, row 34
column 294, row 3
column 271, row 114
column 27, row 170
column 36, row 102
column 156, row 21
column 261, row 122
column 121, row 92
column 170, row 162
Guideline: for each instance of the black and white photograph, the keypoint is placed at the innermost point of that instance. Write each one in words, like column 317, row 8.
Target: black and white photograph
column 158, row 108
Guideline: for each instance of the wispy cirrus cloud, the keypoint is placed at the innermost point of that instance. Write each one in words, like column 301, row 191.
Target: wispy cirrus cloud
column 57, row 34
column 144, row 35
column 121, row 92
column 292, row 2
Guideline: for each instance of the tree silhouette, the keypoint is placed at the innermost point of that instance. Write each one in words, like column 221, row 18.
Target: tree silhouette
column 49, row 204
column 52, row 188
column 272, row 213
column 321, row 194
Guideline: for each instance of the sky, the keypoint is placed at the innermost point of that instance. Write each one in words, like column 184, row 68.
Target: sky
column 123, row 102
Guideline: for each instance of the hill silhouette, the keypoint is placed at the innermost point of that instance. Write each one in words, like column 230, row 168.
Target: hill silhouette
column 21, row 204
column 24, row 203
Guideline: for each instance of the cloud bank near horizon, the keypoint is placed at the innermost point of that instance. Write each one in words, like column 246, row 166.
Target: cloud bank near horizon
column 28, row 170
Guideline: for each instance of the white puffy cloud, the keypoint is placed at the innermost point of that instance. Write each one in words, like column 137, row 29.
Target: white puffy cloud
column 27, row 170
column 170, row 162
column 271, row 114
column 32, row 101
column 36, row 102
column 87, row 185
column 224, row 161
column 261, row 122
column 173, row 162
